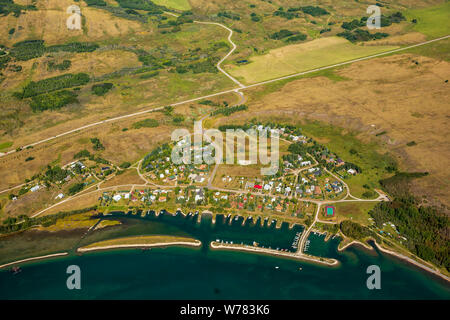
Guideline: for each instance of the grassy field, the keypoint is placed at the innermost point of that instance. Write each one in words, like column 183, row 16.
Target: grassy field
column 368, row 102
column 432, row 21
column 368, row 155
column 174, row 4
column 355, row 211
column 302, row 57
column 5, row 145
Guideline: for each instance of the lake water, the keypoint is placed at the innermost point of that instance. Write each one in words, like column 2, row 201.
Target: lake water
column 201, row 273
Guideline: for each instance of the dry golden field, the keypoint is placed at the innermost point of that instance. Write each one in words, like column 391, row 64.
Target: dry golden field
column 394, row 94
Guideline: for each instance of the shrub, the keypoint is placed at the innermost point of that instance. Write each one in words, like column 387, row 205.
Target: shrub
column 82, row 154
column 149, row 75
column 101, row 3
column 314, row 11
column 283, row 33
column 97, row 145
column 147, row 123
column 125, row 165
column 227, row 111
column 298, row 37
column 66, row 64
column 53, row 100
column 75, row 188
column 101, row 89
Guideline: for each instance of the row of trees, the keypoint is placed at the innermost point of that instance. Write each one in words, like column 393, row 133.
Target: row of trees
column 68, row 80
column 30, row 49
column 226, row 111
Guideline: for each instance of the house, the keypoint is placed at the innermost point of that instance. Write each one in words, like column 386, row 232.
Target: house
column 35, row 188
column 257, row 186
column 162, row 199
column 287, row 190
column 245, row 162
column 117, row 197
column 199, row 179
column 305, row 163
column 351, row 171
column 317, row 190
column 267, row 187
column 339, row 162
column 60, row 196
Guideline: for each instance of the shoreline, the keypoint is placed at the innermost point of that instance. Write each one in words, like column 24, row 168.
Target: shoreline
column 398, row 256
column 219, row 246
column 414, row 262
column 196, row 243
column 34, row 258
column 355, row 242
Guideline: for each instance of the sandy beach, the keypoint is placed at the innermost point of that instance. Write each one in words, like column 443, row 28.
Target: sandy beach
column 196, row 243
column 34, row 258
column 293, row 255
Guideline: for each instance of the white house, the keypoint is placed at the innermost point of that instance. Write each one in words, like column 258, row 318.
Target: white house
column 117, row 197
column 351, row 171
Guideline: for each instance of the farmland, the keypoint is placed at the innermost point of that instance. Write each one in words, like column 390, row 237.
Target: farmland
column 302, row 57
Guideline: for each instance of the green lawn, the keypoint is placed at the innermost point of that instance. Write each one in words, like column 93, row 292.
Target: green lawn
column 302, row 57
column 182, row 5
column 5, row 145
column 368, row 155
column 433, row 21
column 354, row 211
column 438, row 50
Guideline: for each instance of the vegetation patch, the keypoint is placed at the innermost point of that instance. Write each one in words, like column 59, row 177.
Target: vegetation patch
column 52, row 84
column 30, row 49
column 97, row 145
column 432, row 21
column 147, row 123
column 425, row 228
column 5, row 145
column 226, row 111
column 52, row 66
column 101, row 89
column 53, row 100
column 8, row 6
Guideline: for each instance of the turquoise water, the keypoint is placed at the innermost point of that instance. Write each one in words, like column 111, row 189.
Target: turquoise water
column 200, row 273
